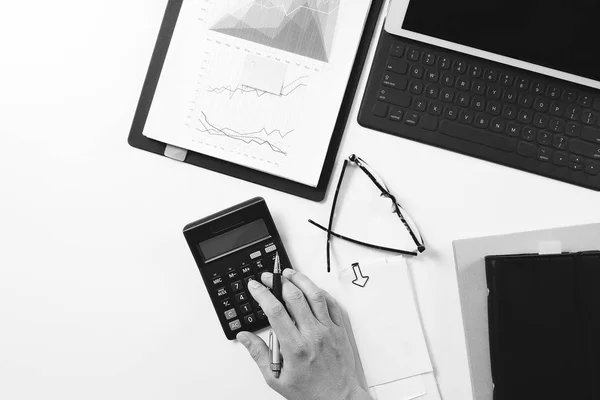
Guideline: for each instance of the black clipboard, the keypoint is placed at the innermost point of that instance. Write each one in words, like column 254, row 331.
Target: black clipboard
column 138, row 140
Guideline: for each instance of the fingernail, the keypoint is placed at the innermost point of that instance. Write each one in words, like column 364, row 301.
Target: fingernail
column 254, row 284
column 267, row 275
column 243, row 339
column 289, row 272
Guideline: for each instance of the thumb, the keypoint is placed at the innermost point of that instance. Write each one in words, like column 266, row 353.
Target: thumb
column 258, row 349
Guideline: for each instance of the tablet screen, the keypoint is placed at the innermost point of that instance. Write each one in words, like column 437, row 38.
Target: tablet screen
column 561, row 35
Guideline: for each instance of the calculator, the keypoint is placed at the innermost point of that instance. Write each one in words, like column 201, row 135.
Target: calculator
column 232, row 247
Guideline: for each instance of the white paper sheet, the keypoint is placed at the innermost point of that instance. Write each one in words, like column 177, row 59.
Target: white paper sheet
column 263, row 74
column 385, row 322
column 201, row 105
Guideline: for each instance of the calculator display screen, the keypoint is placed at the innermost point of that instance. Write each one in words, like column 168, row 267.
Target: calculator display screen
column 234, row 239
column 562, row 35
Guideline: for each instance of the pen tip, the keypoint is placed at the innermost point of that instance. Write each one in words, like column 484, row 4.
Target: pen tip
column 276, row 373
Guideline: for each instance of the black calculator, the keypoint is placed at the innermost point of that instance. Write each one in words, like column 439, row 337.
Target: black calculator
column 231, row 248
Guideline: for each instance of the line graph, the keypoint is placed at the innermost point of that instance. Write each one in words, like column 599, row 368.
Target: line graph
column 249, row 138
column 303, row 27
column 243, row 89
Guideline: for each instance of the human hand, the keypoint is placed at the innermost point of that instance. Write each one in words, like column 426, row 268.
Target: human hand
column 318, row 359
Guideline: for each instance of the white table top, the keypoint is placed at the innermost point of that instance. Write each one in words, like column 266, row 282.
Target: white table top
column 99, row 295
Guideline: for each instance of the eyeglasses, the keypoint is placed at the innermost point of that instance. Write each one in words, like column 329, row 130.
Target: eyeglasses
column 396, row 209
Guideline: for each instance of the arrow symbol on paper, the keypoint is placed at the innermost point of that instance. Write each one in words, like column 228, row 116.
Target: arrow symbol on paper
column 360, row 281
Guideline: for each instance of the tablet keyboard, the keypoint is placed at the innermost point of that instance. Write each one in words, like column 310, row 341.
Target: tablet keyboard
column 484, row 109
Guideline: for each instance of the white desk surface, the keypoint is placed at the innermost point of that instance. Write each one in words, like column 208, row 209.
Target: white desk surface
column 99, row 295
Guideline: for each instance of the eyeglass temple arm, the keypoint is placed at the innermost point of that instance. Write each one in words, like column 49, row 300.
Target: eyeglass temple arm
column 337, row 235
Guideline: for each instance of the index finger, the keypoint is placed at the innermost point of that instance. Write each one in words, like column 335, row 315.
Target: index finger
column 279, row 318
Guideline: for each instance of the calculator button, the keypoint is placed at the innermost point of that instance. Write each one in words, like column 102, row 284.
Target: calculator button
column 232, row 274
column 246, row 308
column 230, row 314
column 241, row 297
column 235, row 325
column 246, row 270
column 270, row 249
column 260, row 314
column 248, row 279
column 221, row 292
column 226, row 303
column 254, row 255
column 217, row 280
column 237, row 286
column 260, row 264
column 249, row 319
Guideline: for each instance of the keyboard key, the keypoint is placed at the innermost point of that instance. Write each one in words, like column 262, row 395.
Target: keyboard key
column 498, row 125
column 585, row 149
column 432, row 76
column 529, row 134
column 397, row 50
column 478, row 103
column 397, row 114
column 569, row 96
column 541, row 120
column 585, row 100
column 513, row 130
column 432, row 91
column 592, row 168
column 541, row 104
column 482, row 121
column 463, row 99
column 395, row 97
column 397, row 65
column 246, row 308
column 460, row 67
column 538, row 88
column 525, row 100
column 462, row 83
column 478, row 87
column 466, row 116
column 573, row 112
column 493, row 108
column 221, row 292
column 597, row 104
column 560, row 142
column 451, row 112
column 248, row 279
column 261, row 314
column 494, row 92
column 477, row 136
column 416, row 87
column 556, row 125
column 248, row 269
column 545, row 138
column 416, row 71
column 249, row 319
column 490, row 75
column 576, row 167
column 241, row 297
column 544, row 154
column 230, row 314
column 395, row 81
column 509, row 96
column 448, row 95
column 226, row 303
column 553, row 92
column 527, row 150
column 217, row 280
column 435, row 108
column 380, row 110
column 509, row 112
column 557, row 109
column 411, row 119
column 428, row 122
column 420, row 104
column 506, row 79
column 414, row 54
column 444, row 63
column 573, row 129
column 237, row 286
column 447, row 80
column 475, row 71
column 522, row 83
column 232, row 274
column 428, row 58
column 525, row 116
column 235, row 325
column 591, row 134
column 560, row 159
column 588, row 118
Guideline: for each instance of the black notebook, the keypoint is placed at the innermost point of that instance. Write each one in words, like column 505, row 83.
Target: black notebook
column 544, row 324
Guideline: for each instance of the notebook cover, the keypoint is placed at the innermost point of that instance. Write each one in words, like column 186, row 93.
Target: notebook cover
column 544, row 324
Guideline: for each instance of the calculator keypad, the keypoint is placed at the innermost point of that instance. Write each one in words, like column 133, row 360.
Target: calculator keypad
column 228, row 281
